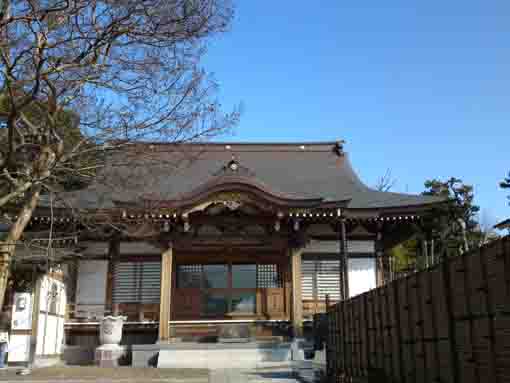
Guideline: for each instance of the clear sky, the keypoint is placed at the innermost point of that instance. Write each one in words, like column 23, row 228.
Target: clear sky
column 419, row 87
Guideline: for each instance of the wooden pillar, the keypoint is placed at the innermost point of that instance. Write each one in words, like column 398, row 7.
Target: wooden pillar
column 424, row 246
column 432, row 254
column 344, row 262
column 288, row 290
column 379, row 257
column 113, row 259
column 297, row 299
column 166, row 295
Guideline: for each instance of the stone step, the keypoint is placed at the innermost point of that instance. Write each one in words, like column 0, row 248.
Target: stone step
column 233, row 357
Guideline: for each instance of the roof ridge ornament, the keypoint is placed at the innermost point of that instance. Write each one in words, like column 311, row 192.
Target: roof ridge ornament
column 233, row 167
column 338, row 149
column 233, row 164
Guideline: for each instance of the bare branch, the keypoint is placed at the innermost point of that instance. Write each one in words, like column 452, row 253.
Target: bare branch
column 81, row 81
column 386, row 182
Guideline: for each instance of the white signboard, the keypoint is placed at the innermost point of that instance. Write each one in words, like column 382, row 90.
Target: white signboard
column 91, row 287
column 19, row 348
column 50, row 326
column 22, row 312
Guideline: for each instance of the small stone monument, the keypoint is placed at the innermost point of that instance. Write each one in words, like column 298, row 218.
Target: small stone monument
column 233, row 333
column 110, row 334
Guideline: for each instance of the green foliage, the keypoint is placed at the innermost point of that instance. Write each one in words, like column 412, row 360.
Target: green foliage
column 404, row 254
column 459, row 210
column 460, row 199
column 505, row 184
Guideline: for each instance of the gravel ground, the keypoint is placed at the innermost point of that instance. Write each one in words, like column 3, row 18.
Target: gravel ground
column 100, row 375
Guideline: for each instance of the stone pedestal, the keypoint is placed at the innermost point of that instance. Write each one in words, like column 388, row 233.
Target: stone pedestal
column 110, row 334
column 297, row 349
column 109, row 355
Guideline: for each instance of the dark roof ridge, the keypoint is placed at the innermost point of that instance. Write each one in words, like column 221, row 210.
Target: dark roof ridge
column 283, row 143
column 247, row 146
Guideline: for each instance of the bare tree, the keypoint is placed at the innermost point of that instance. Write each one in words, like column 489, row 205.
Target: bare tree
column 486, row 223
column 83, row 79
column 386, row 182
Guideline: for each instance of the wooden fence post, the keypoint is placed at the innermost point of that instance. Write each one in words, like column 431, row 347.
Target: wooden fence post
column 433, row 307
column 367, row 334
column 454, row 358
column 396, row 308
column 466, row 272
column 489, row 311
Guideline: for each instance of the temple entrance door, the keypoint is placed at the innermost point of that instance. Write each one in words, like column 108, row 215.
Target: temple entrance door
column 215, row 291
column 228, row 290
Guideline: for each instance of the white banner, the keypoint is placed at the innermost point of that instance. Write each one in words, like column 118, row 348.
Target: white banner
column 22, row 312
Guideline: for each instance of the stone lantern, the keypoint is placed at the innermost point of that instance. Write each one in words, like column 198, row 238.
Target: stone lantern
column 110, row 335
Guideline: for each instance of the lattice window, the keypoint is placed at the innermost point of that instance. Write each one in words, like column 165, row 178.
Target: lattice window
column 308, row 279
column 328, row 279
column 189, row 276
column 268, row 276
column 136, row 282
column 320, row 276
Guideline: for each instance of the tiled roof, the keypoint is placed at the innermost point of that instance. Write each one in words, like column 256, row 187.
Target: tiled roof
column 503, row 224
column 294, row 170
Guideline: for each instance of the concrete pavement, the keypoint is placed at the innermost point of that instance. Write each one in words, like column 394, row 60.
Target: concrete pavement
column 252, row 376
column 149, row 375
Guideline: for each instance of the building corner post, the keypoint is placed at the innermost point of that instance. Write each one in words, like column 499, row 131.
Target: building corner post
column 379, row 256
column 344, row 261
column 297, row 300
column 166, row 295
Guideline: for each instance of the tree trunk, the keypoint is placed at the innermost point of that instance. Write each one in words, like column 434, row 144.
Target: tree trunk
column 7, row 246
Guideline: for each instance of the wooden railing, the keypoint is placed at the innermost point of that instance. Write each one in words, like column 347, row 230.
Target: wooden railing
column 135, row 312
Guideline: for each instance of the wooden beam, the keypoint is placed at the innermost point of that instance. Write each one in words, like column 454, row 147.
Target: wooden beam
column 166, row 295
column 297, row 300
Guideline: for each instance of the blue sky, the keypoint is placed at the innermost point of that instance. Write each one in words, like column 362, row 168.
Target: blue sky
column 419, row 87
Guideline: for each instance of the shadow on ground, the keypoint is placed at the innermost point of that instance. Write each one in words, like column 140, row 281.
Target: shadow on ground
column 273, row 375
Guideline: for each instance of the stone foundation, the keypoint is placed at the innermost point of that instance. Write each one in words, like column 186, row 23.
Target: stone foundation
column 217, row 356
column 110, row 355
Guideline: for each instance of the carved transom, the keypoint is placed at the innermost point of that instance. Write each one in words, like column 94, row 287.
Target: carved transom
column 233, row 201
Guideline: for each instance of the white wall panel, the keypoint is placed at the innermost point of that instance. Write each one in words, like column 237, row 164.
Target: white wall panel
column 41, row 323
column 91, row 287
column 362, row 275
column 321, row 276
column 60, row 335
column 50, row 340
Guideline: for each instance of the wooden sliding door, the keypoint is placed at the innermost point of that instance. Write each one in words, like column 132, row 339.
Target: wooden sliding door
column 228, row 290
